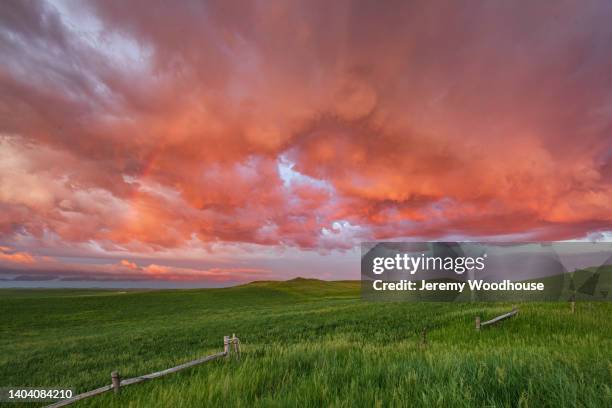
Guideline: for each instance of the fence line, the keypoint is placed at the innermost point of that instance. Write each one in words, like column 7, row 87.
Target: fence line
column 117, row 382
column 495, row 319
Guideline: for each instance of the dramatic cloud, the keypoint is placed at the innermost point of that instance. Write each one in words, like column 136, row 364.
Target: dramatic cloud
column 8, row 256
column 142, row 126
column 25, row 267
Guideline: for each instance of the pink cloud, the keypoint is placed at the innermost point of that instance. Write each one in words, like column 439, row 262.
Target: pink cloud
column 49, row 268
column 6, row 255
column 128, row 264
column 418, row 120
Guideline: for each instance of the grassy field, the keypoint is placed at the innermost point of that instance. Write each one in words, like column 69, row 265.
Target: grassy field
column 305, row 343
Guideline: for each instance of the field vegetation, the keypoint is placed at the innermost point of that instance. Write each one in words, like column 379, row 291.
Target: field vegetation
column 305, row 343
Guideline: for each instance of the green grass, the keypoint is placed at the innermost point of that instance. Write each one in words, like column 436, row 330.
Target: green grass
column 305, row 343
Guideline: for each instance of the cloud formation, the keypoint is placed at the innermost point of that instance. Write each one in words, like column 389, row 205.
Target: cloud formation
column 15, row 257
column 22, row 266
column 140, row 126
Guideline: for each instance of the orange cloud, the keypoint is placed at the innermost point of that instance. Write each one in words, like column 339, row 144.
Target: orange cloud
column 46, row 268
column 15, row 257
column 156, row 270
column 128, row 264
column 293, row 125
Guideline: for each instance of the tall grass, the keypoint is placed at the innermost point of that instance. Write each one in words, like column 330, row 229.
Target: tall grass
column 306, row 343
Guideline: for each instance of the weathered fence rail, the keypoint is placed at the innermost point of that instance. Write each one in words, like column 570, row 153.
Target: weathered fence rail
column 495, row 319
column 117, row 382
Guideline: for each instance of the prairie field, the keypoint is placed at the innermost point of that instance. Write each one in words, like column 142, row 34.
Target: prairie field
column 305, row 343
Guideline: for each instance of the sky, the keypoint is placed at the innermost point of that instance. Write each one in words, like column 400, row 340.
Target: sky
column 208, row 143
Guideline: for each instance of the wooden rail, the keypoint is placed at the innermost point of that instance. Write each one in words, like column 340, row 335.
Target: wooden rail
column 158, row 374
column 117, row 382
column 81, row 396
column 495, row 319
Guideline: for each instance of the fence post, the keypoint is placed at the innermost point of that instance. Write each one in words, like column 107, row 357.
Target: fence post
column 573, row 303
column 226, row 346
column 116, row 381
column 477, row 322
column 236, row 349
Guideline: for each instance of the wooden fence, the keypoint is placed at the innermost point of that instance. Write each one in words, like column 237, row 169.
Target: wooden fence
column 117, row 382
column 495, row 319
column 514, row 311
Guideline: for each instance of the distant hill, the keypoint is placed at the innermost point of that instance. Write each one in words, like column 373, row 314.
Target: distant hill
column 309, row 287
